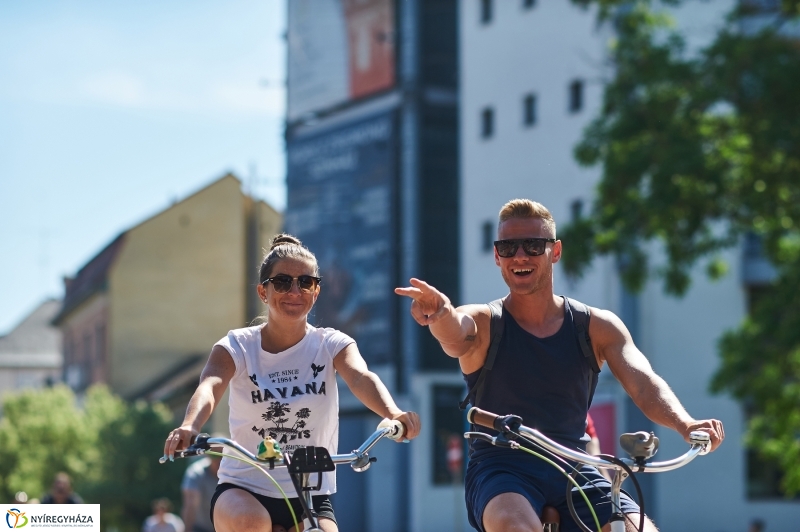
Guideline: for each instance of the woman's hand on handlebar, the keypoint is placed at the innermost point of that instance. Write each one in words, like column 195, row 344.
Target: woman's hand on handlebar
column 713, row 427
column 179, row 439
column 411, row 422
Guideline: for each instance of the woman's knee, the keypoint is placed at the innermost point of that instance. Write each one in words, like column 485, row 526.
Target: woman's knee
column 238, row 511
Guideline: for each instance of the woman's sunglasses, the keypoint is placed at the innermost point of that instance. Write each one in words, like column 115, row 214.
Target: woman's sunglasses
column 531, row 246
column 282, row 283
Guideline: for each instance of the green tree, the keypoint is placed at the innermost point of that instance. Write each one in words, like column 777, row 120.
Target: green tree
column 108, row 447
column 698, row 150
column 127, row 475
column 41, row 433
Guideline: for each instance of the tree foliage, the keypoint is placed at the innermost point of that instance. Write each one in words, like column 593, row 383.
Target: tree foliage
column 41, row 434
column 698, row 149
column 108, row 447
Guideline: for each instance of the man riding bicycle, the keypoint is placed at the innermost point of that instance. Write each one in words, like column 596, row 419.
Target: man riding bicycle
column 541, row 373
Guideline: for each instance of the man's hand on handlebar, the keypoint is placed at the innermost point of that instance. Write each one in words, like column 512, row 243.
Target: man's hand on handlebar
column 410, row 421
column 713, row 427
column 178, row 440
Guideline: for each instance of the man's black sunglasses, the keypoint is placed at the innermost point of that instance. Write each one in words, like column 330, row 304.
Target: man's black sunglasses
column 531, row 246
column 282, row 282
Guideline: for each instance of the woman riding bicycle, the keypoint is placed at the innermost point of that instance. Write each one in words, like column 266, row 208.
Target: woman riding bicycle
column 282, row 377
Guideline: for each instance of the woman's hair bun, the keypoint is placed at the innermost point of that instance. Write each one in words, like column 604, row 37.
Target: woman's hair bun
column 284, row 238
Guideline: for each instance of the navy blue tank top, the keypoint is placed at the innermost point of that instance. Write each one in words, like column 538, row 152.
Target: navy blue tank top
column 546, row 381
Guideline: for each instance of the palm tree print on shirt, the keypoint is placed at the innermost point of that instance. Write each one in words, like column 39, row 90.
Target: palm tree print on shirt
column 277, row 413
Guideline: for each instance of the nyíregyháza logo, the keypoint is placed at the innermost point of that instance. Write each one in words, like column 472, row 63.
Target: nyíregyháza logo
column 16, row 518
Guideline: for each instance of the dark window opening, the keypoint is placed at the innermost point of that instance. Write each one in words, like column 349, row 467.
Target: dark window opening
column 529, row 110
column 100, row 344
column 765, row 476
column 486, row 11
column 575, row 96
column 576, row 209
column 761, row 6
column 528, row 4
column 448, row 428
column 487, row 122
column 487, row 233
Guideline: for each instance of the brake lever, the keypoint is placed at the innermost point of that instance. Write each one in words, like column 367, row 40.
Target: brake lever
column 497, row 441
column 190, row 451
column 479, row 436
column 199, row 446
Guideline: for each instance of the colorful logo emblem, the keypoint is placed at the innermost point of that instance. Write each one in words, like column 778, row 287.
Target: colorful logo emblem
column 16, row 518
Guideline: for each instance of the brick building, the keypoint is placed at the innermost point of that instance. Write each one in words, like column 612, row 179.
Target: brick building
column 142, row 314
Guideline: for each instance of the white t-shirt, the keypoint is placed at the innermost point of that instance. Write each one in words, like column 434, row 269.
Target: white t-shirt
column 172, row 523
column 291, row 396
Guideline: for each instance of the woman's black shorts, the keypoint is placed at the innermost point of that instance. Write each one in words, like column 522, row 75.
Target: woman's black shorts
column 277, row 508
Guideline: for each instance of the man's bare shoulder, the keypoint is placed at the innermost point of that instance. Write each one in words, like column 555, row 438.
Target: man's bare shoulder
column 608, row 333
column 605, row 320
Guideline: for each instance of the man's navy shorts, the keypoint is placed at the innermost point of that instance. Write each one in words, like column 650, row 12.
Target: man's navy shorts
column 514, row 471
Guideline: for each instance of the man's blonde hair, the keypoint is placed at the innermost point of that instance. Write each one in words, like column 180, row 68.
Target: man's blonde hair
column 525, row 208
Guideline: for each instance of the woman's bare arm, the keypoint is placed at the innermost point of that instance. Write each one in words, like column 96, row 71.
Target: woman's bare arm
column 214, row 381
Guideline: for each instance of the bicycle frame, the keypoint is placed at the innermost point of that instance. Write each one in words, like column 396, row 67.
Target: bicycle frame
column 511, row 426
column 358, row 459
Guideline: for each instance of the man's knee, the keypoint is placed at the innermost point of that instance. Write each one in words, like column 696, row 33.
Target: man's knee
column 510, row 512
column 632, row 524
column 649, row 526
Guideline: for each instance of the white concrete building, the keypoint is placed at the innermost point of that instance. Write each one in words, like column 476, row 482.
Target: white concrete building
column 30, row 354
column 531, row 78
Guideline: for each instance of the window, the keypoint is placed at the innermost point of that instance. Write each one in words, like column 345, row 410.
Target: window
column 529, row 110
column 487, row 236
column 761, row 6
column 69, row 347
column 765, row 475
column 575, row 96
column 757, row 270
column 576, row 209
column 486, row 11
column 528, row 4
column 87, row 347
column 100, row 344
column 487, row 122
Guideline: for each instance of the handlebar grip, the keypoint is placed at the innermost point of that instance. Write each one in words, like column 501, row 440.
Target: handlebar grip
column 476, row 416
column 493, row 421
column 398, row 430
column 701, row 438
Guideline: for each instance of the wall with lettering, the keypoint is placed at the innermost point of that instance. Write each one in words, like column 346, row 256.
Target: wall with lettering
column 341, row 204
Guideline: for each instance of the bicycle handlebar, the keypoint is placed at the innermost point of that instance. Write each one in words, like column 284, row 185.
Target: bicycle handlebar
column 303, row 462
column 359, row 459
column 700, row 443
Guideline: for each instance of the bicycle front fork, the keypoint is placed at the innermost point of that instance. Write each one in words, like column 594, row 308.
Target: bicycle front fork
column 308, row 525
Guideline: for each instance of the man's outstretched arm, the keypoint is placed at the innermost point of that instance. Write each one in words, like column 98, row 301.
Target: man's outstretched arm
column 456, row 329
column 648, row 390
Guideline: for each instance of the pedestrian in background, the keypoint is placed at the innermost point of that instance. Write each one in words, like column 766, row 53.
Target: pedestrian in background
column 197, row 488
column 162, row 520
column 61, row 491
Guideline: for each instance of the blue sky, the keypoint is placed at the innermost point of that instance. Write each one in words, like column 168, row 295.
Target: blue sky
column 110, row 110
